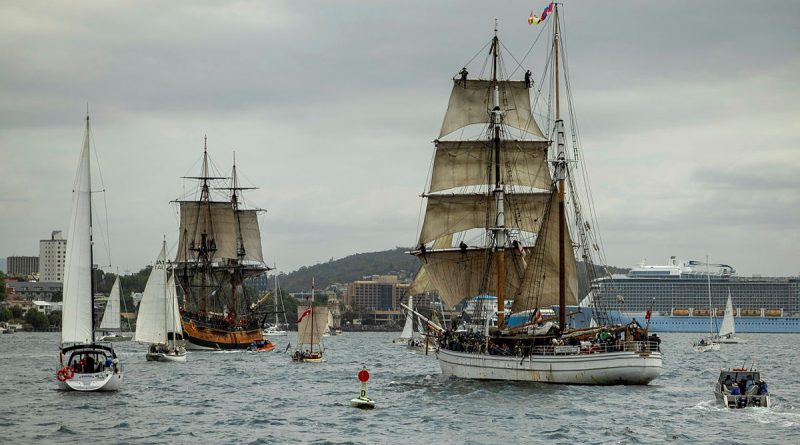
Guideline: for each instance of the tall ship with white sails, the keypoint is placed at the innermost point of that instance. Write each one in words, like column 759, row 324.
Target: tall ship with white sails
column 219, row 247
column 498, row 201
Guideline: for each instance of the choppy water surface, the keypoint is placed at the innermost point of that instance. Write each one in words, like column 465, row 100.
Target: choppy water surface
column 239, row 397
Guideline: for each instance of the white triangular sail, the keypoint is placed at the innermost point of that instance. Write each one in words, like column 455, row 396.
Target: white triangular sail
column 728, row 327
column 174, row 314
column 111, row 314
column 76, row 319
column 152, row 319
column 408, row 328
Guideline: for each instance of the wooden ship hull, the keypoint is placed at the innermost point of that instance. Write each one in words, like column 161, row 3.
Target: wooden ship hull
column 200, row 336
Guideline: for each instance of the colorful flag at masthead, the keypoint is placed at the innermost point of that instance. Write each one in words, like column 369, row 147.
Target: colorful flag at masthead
column 535, row 20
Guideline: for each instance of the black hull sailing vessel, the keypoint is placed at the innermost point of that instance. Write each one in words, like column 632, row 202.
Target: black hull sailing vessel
column 497, row 223
column 218, row 249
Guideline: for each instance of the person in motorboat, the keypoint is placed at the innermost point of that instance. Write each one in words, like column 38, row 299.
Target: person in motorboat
column 702, row 342
column 735, row 390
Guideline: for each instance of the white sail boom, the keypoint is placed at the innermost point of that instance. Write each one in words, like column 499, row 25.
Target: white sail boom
column 540, row 287
column 728, row 326
column 458, row 276
column 464, row 163
column 111, row 314
column 77, row 308
column 470, row 104
column 312, row 326
column 151, row 321
column 448, row 214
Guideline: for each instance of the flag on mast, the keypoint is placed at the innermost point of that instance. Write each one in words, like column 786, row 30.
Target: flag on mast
column 535, row 20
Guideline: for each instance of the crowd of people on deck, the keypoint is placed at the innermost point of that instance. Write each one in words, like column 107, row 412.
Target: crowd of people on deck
column 603, row 341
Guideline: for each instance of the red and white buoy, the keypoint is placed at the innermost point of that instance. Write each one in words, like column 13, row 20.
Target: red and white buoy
column 362, row 401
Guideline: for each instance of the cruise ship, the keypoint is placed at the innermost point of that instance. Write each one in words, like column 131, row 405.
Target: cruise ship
column 678, row 296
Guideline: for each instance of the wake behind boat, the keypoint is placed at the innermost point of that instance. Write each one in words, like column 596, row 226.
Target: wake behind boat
column 489, row 198
column 84, row 364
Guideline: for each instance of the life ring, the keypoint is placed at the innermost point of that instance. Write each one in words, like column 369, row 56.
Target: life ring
column 68, row 372
column 61, row 376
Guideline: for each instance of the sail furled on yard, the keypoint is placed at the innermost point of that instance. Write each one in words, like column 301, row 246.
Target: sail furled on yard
column 111, row 320
column 448, row 214
column 458, row 276
column 470, row 103
column 312, row 326
column 464, row 163
column 540, row 286
column 218, row 220
column 76, row 317
column 151, row 321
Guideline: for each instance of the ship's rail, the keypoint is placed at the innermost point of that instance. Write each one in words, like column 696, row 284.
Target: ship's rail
column 598, row 348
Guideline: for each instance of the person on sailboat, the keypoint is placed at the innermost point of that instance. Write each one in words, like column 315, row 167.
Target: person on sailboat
column 463, row 247
column 528, row 79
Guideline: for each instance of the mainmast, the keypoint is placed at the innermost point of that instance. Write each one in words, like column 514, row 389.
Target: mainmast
column 204, row 249
column 91, row 231
column 560, row 174
column 499, row 229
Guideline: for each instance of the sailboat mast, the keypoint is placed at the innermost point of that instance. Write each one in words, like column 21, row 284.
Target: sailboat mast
column 312, row 315
column 499, row 230
column 203, row 257
column 91, row 231
column 561, row 175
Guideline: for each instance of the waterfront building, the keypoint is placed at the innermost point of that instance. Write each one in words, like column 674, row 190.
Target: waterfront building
column 51, row 257
column 35, row 290
column 382, row 292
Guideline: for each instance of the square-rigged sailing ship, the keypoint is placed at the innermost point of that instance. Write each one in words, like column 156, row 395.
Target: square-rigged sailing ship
column 496, row 223
column 219, row 247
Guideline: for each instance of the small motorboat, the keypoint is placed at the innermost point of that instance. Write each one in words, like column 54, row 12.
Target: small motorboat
column 742, row 388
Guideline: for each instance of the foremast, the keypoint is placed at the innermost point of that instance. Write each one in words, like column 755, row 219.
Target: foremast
column 499, row 230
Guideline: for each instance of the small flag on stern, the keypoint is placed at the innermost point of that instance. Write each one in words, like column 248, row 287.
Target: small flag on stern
column 648, row 314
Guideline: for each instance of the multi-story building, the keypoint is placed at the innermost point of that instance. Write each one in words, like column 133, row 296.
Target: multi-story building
column 22, row 265
column 379, row 293
column 35, row 290
column 51, row 257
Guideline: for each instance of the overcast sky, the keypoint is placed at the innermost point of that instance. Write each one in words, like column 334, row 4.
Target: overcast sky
column 689, row 116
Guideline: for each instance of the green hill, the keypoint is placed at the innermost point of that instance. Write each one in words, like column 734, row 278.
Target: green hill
column 351, row 268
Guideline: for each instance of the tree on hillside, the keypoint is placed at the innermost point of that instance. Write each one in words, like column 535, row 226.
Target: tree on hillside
column 5, row 314
column 55, row 318
column 16, row 311
column 2, row 286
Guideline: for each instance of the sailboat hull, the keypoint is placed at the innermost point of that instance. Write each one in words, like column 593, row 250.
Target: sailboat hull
column 163, row 357
column 611, row 368
column 108, row 375
column 201, row 337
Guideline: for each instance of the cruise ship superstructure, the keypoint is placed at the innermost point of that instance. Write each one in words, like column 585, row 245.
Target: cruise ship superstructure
column 677, row 295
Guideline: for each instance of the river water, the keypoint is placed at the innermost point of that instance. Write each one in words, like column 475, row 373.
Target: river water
column 255, row 398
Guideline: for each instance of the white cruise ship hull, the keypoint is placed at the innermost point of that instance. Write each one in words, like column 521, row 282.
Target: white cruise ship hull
column 610, row 368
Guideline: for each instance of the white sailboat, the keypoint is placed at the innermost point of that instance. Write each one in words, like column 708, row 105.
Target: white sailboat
column 158, row 323
column 492, row 195
column 408, row 327
column 278, row 328
column 727, row 331
column 311, row 322
column 110, row 326
column 84, row 365
column 709, row 343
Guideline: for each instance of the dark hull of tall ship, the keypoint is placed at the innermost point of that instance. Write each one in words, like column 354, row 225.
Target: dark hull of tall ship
column 201, row 335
